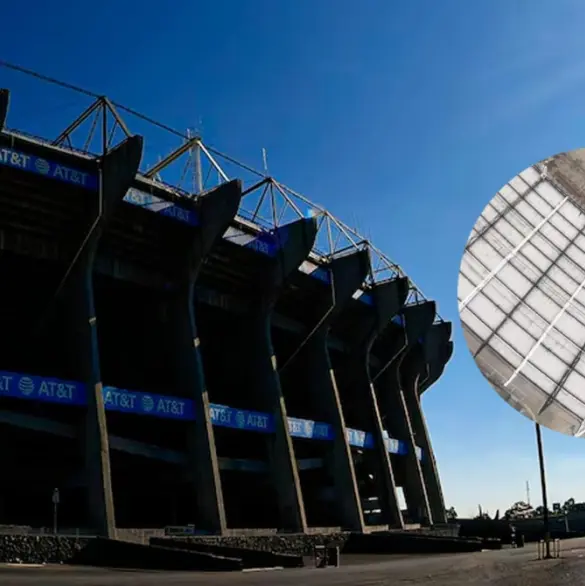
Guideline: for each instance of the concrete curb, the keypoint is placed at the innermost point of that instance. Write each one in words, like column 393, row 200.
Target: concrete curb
column 263, row 569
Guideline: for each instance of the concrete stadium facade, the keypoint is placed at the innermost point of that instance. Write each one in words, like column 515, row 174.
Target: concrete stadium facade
column 174, row 364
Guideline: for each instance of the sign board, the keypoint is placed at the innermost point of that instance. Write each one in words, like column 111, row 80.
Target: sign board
column 72, row 393
column 39, row 166
column 155, row 204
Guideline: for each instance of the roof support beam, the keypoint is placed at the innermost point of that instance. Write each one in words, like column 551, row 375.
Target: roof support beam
column 78, row 121
column 172, row 157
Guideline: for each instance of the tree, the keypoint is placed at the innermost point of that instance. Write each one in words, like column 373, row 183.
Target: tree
column 539, row 511
column 519, row 510
column 569, row 505
column 451, row 514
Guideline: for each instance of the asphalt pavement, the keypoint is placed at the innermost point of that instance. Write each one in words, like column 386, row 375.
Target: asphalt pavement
column 509, row 567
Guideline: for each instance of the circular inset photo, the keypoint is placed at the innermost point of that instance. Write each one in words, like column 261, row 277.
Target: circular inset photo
column 521, row 292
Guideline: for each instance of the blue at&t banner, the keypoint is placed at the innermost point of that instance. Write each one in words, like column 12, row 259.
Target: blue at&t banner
column 264, row 244
column 46, row 168
column 269, row 243
column 360, row 439
column 147, row 404
column 322, row 274
column 160, row 206
column 365, row 440
column 392, row 445
column 53, row 390
column 167, row 407
column 307, row 429
column 223, row 416
column 38, row 388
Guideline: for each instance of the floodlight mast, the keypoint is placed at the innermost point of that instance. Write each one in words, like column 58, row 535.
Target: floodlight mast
column 541, row 466
column 542, row 470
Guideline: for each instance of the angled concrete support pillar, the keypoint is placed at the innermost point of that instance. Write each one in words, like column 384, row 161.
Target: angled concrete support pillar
column 397, row 342
column 117, row 171
column 347, row 275
column 215, row 210
column 388, row 299
column 435, row 346
column 416, row 371
column 4, row 101
column 416, row 367
column 261, row 375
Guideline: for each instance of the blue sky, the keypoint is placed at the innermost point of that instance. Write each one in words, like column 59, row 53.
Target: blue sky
column 402, row 117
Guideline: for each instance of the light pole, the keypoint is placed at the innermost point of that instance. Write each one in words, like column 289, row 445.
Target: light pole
column 541, row 466
column 56, row 498
column 544, row 495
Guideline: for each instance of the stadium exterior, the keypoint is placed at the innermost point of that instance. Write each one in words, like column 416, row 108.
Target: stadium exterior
column 166, row 361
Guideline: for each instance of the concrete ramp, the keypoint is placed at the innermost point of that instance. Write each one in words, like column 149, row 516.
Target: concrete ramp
column 403, row 542
column 109, row 553
column 121, row 554
column 250, row 558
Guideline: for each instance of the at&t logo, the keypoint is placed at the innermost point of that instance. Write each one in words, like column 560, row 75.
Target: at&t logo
column 26, row 386
column 42, row 166
column 147, row 403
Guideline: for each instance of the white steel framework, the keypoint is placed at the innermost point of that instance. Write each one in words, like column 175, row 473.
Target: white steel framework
column 192, row 166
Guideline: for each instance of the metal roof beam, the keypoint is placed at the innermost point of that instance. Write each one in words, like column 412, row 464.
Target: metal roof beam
column 78, row 121
column 256, row 186
column 119, row 120
column 172, row 157
column 291, row 197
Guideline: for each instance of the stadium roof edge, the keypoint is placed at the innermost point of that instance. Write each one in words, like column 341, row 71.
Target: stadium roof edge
column 385, row 267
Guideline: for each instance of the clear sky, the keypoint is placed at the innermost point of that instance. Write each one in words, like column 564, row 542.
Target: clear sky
column 405, row 117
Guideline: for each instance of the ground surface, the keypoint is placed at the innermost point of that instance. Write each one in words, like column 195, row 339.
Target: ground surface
column 506, row 568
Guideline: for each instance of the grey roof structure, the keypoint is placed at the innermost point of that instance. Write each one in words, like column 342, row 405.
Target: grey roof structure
column 521, row 293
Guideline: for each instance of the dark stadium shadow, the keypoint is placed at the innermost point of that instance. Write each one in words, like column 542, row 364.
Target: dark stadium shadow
column 122, row 555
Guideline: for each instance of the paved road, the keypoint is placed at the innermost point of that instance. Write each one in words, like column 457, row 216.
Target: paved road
column 505, row 568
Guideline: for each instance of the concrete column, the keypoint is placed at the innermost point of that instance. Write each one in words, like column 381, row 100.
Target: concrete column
column 4, row 101
column 397, row 342
column 215, row 210
column 437, row 336
column 347, row 275
column 437, row 348
column 388, row 300
column 260, row 369
column 117, row 171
